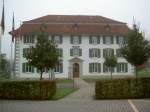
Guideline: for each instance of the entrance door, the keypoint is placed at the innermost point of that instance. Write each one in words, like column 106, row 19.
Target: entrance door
column 75, row 70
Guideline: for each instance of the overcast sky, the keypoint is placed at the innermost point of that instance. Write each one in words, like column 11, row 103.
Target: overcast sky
column 121, row 10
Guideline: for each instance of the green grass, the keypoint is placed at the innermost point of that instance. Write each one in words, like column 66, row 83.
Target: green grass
column 144, row 73
column 62, row 92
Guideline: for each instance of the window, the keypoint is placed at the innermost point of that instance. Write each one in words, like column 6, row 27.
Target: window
column 45, row 70
column 118, row 53
column 94, row 67
column 119, row 40
column 107, row 69
column 27, row 68
column 122, row 67
column 26, row 51
column 57, row 39
column 108, row 52
column 94, row 53
column 28, row 38
column 60, row 52
column 75, row 40
column 76, row 51
column 94, row 40
column 59, row 67
column 108, row 40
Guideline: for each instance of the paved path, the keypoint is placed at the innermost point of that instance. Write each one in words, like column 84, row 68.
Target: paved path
column 86, row 91
column 80, row 101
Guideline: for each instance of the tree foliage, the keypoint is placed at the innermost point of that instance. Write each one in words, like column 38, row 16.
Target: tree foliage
column 4, row 68
column 111, row 63
column 136, row 49
column 44, row 55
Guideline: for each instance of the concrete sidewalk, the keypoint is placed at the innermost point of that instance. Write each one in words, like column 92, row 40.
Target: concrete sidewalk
column 86, row 91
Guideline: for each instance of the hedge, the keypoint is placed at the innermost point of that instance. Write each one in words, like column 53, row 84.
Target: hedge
column 27, row 90
column 122, row 88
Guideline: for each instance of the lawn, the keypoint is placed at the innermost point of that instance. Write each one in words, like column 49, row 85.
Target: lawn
column 64, row 88
column 62, row 92
column 144, row 73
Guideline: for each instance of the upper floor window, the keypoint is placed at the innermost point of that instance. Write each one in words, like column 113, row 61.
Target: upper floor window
column 26, row 51
column 94, row 40
column 107, row 69
column 94, row 52
column 75, row 51
column 119, row 40
column 57, row 39
column 122, row 67
column 60, row 52
column 27, row 68
column 28, row 38
column 118, row 53
column 108, row 40
column 59, row 67
column 94, row 67
column 76, row 40
column 108, row 52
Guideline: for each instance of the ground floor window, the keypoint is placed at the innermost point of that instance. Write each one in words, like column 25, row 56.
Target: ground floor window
column 59, row 67
column 94, row 67
column 107, row 69
column 122, row 67
column 26, row 67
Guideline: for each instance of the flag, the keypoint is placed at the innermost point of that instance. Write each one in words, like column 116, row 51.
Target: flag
column 2, row 20
column 13, row 29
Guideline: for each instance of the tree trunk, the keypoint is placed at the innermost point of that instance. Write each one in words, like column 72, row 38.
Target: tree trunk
column 136, row 72
column 111, row 72
column 41, row 75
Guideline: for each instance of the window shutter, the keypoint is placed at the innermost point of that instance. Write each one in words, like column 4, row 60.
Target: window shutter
column 71, row 52
column 23, row 67
column 90, row 40
column 98, row 40
column 53, row 38
column 71, row 39
column 80, row 52
column 117, row 39
column 112, row 39
column 32, row 69
column 80, row 40
column 118, row 66
column 99, row 67
column 126, row 67
column 112, row 52
column 103, row 67
column 104, row 53
column 61, row 67
column 117, row 52
column 61, row 52
column 61, row 39
column 104, row 40
column 90, row 53
column 90, row 67
column 99, row 53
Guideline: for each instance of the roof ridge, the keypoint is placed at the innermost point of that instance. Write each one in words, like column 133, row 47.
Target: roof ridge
column 74, row 18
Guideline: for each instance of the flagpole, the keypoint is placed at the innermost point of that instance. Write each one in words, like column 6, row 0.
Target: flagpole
column 11, row 66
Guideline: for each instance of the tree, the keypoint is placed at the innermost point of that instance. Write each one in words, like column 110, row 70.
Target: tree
column 111, row 63
column 4, row 68
column 135, row 49
column 44, row 55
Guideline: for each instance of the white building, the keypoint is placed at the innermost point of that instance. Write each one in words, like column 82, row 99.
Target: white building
column 83, row 42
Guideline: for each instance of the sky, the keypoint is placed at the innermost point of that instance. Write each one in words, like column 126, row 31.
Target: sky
column 121, row 10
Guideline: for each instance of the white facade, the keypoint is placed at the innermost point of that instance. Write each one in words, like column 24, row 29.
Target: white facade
column 68, row 61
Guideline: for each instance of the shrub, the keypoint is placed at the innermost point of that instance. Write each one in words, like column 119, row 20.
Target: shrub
column 122, row 88
column 27, row 90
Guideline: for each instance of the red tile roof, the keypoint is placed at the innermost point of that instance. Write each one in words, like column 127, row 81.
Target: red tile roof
column 69, row 24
